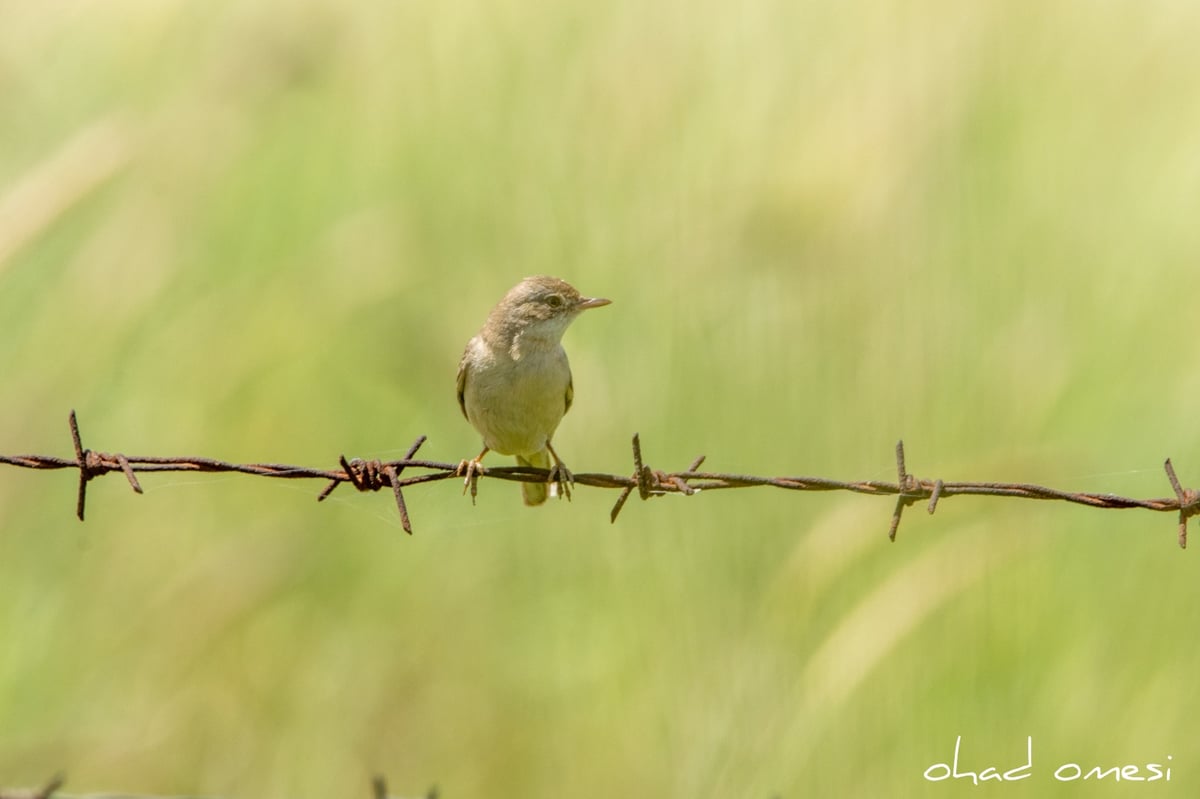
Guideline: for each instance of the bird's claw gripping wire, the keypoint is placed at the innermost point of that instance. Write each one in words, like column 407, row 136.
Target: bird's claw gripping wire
column 470, row 471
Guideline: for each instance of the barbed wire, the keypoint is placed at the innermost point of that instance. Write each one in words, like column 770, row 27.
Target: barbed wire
column 50, row 790
column 375, row 475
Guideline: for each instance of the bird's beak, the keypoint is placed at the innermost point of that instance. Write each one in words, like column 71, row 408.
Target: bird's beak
column 593, row 302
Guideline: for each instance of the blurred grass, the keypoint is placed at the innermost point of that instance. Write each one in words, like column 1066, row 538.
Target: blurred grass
column 259, row 231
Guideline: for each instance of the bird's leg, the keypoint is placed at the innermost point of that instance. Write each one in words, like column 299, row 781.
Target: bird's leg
column 470, row 471
column 560, row 475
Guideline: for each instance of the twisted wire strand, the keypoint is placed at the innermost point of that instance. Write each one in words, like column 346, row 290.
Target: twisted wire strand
column 375, row 475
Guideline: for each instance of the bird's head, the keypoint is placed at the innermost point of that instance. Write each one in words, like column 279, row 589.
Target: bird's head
column 540, row 308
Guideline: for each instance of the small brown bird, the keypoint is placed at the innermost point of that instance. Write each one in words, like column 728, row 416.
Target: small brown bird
column 514, row 381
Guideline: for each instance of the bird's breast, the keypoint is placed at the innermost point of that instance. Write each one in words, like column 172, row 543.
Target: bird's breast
column 516, row 404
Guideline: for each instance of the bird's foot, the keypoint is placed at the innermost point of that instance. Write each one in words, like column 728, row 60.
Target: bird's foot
column 470, row 470
column 561, row 480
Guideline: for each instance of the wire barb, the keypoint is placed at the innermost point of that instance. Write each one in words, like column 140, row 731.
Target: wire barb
column 636, row 482
column 935, row 496
column 1189, row 502
column 374, row 475
column 909, row 490
column 93, row 464
column 85, row 473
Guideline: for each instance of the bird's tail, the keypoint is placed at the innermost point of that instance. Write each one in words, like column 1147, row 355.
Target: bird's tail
column 535, row 493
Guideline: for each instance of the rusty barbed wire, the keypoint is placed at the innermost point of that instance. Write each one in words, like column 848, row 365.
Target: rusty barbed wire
column 50, row 790
column 375, row 475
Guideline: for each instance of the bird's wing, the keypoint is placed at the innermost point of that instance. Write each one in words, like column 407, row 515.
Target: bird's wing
column 570, row 397
column 462, row 382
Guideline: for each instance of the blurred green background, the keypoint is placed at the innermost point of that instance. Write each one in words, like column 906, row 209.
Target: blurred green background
column 264, row 231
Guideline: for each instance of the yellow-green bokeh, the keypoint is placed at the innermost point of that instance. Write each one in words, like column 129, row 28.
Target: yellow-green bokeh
column 264, row 231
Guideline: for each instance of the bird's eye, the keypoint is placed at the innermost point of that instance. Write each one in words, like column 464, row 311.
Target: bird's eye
column 554, row 301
